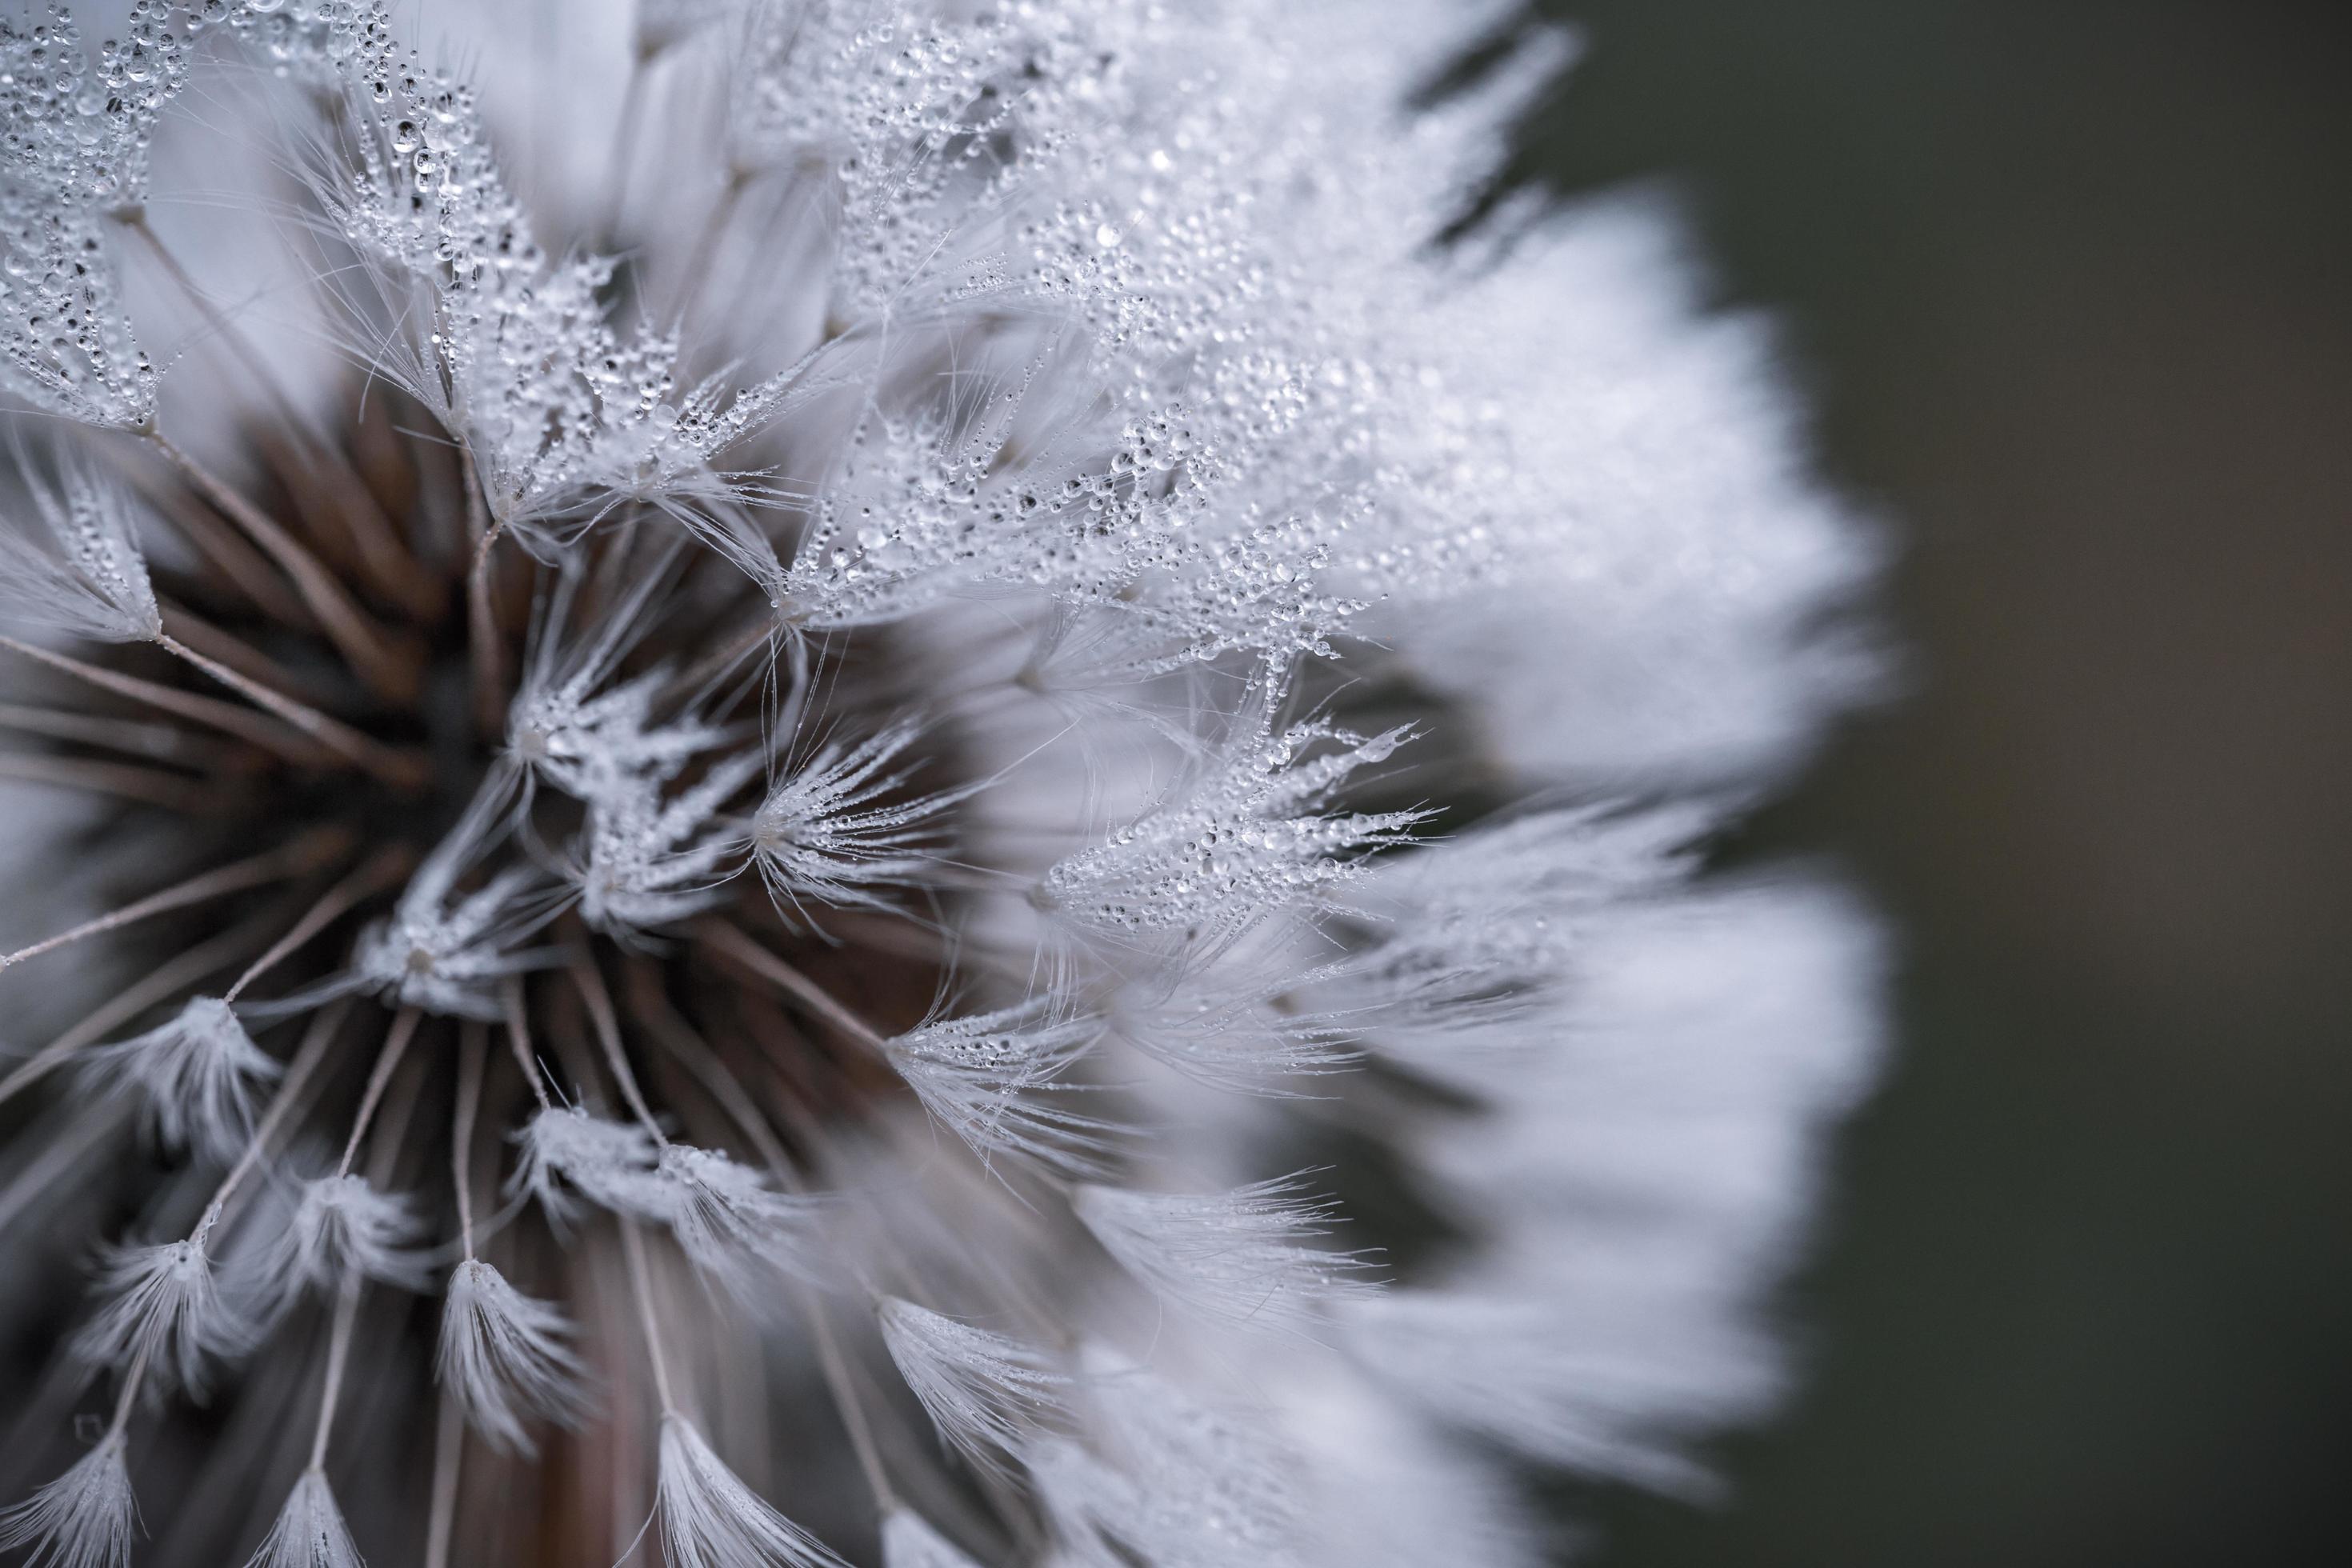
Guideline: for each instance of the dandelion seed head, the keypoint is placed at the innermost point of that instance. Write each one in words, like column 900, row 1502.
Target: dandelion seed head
column 778, row 696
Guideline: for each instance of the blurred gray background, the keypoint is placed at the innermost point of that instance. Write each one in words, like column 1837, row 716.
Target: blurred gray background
column 2069, row 282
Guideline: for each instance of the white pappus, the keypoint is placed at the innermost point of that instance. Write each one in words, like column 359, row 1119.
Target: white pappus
column 812, row 679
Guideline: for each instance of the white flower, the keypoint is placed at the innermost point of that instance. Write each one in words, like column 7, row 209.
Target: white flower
column 780, row 691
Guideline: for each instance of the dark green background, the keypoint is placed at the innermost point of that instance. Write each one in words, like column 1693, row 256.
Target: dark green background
column 2071, row 285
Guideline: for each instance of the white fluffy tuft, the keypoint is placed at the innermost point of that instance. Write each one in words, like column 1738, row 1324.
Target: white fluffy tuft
column 166, row 1310
column 709, row 1519
column 839, row 829
column 340, row 1227
column 990, row 1078
column 504, row 1357
column 91, row 578
column 309, row 1532
column 199, row 1073
column 84, row 1519
column 731, row 1222
column 982, row 1391
column 566, row 1150
column 1242, row 1258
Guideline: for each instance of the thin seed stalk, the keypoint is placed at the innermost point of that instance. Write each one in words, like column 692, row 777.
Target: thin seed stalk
column 391, row 673
column 401, row 770
column 304, row 854
column 261, row 729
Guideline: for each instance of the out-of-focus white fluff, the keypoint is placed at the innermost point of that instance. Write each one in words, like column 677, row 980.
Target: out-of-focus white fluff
column 1665, row 624
column 198, row 1074
column 908, row 1542
column 1652, row 1165
column 341, row 1226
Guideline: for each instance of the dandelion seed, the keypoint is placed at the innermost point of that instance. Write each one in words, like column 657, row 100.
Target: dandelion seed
column 982, row 1391
column 709, row 1519
column 84, row 1519
column 198, row 1074
column 652, row 862
column 340, row 1225
column 309, row 1532
column 833, row 833
column 991, row 1078
column 441, row 950
column 1237, row 843
column 728, row 1220
column 608, row 1161
column 1241, row 1257
column 164, row 1310
column 94, row 583
column 503, row 1355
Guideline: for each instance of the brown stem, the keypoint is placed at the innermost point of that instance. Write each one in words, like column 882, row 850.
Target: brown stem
column 339, row 1349
column 290, row 1088
column 152, row 786
column 361, row 641
column 448, row 1456
column 402, row 770
column 380, row 548
column 642, row 1286
column 129, row 1394
column 472, row 1045
column 380, row 871
column 233, row 651
column 481, row 615
column 304, row 854
column 132, row 737
column 608, row 1036
column 403, row 1029
column 727, row 939
column 699, row 1059
column 324, row 487
column 225, row 717
column 166, row 981
column 42, row 1174
column 519, row 1040
column 246, row 569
